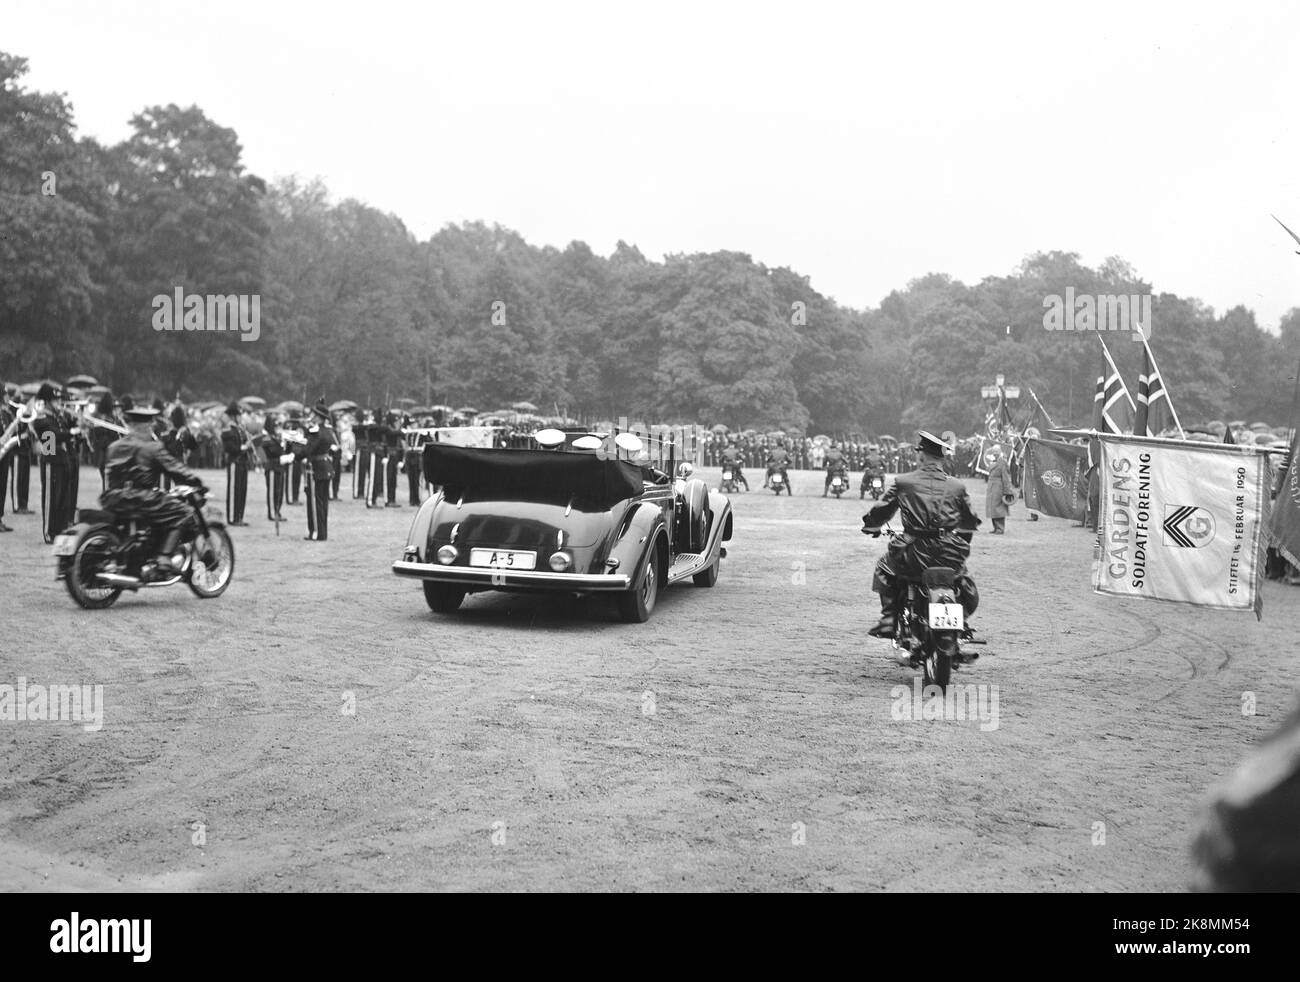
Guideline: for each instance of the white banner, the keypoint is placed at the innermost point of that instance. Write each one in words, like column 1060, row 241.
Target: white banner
column 465, row 436
column 1181, row 522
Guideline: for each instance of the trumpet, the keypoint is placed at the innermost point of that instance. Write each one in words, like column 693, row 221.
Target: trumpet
column 94, row 420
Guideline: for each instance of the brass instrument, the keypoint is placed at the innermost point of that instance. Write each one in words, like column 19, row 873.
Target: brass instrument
column 11, row 436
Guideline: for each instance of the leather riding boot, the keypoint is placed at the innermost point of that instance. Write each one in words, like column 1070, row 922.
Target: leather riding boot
column 888, row 616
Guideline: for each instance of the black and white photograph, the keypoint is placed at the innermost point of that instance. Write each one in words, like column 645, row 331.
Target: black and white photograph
column 405, row 406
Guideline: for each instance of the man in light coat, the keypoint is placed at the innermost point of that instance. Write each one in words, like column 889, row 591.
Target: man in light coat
column 1000, row 493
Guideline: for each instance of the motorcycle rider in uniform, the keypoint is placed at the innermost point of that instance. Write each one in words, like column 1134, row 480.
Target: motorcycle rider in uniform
column 778, row 460
column 834, row 463
column 937, row 528
column 873, row 465
column 134, row 466
column 731, row 458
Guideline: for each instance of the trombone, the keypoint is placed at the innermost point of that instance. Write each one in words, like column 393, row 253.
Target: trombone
column 24, row 415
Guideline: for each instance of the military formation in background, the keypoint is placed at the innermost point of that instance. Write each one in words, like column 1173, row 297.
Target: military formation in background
column 49, row 430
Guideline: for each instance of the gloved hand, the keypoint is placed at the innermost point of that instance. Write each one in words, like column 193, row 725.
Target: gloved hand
column 869, row 530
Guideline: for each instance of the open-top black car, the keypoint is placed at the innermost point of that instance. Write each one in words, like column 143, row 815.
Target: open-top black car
column 580, row 515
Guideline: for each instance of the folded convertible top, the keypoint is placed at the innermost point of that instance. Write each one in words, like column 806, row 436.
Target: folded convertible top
column 530, row 475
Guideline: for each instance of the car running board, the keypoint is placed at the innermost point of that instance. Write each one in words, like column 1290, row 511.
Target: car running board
column 686, row 564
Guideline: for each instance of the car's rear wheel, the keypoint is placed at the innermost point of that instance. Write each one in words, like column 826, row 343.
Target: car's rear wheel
column 635, row 605
column 443, row 598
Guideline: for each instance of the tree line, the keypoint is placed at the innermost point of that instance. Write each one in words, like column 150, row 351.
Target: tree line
column 353, row 305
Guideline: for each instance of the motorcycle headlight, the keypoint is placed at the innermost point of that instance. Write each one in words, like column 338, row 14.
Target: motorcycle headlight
column 447, row 555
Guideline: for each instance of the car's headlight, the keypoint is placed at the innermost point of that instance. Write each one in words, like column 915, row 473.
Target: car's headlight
column 447, row 555
column 560, row 561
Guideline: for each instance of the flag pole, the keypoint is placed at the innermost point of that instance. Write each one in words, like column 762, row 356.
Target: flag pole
column 1151, row 360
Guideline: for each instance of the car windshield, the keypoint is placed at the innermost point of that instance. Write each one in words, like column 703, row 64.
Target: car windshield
column 542, row 476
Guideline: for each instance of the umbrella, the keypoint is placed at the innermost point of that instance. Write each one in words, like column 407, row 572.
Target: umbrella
column 467, row 411
column 1238, row 424
column 404, row 402
column 821, row 439
column 341, row 405
column 777, row 435
column 82, row 381
column 288, row 406
column 98, row 390
column 257, row 402
column 523, row 407
column 441, row 409
column 1265, row 439
column 719, row 428
column 1260, row 427
column 420, row 411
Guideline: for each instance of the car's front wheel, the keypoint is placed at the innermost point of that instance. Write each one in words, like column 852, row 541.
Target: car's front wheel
column 443, row 598
column 635, row 605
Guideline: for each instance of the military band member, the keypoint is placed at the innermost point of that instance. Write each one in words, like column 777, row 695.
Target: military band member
column 336, row 461
column 378, row 461
column 274, row 448
column 361, row 459
column 293, row 474
column 9, row 451
column 318, row 454
column 236, row 444
column 178, row 441
column 414, row 464
column 54, row 445
column 394, row 451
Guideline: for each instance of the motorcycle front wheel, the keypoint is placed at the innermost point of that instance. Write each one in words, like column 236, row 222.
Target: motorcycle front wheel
column 82, row 580
column 209, row 580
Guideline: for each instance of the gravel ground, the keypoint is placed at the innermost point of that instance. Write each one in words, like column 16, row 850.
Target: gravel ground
column 317, row 728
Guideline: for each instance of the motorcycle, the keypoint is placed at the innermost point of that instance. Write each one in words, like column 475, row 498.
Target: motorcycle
column 839, row 482
column 101, row 555
column 779, row 481
column 729, row 483
column 931, row 622
column 876, row 485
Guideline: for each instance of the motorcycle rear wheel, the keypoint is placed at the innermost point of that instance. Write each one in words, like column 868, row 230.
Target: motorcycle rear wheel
column 80, row 580
column 937, row 668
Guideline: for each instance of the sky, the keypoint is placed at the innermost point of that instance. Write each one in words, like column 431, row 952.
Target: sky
column 861, row 144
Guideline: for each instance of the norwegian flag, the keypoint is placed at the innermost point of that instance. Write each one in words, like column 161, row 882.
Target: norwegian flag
column 1112, row 407
column 1155, row 411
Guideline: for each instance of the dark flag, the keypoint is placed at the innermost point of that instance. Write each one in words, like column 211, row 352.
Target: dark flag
column 1284, row 522
column 1117, row 409
column 1228, row 438
column 1056, row 478
column 1155, row 412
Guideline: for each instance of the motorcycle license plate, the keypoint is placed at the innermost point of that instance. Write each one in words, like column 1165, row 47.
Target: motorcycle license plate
column 65, row 545
column 776, row 478
column 946, row 617
column 502, row 559
column 835, row 483
column 726, row 475
column 876, row 483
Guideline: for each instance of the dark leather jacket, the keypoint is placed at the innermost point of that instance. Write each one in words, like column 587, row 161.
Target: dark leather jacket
column 928, row 499
column 136, row 462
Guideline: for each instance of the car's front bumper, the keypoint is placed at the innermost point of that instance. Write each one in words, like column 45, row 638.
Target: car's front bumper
column 497, row 579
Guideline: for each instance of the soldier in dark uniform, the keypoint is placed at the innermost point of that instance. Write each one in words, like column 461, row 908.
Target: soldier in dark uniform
column 937, row 528
column 361, row 459
column 293, row 473
column 178, row 441
column 20, row 460
column 318, row 453
column 55, row 445
column 394, row 453
column 378, row 460
column 236, row 443
column 273, row 447
column 414, row 463
column 101, row 436
column 9, row 452
column 336, row 463
column 732, row 458
column 834, row 463
column 134, row 465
